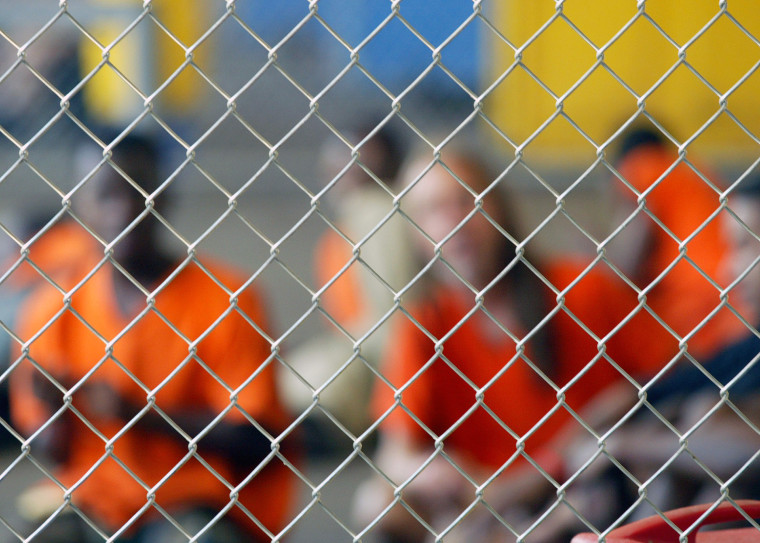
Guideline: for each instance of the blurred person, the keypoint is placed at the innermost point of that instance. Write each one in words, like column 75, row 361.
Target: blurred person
column 484, row 369
column 150, row 386
column 740, row 269
column 61, row 252
column 672, row 250
column 357, row 289
column 713, row 400
column 682, row 392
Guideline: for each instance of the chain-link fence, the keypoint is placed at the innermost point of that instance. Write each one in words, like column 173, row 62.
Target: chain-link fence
column 376, row 271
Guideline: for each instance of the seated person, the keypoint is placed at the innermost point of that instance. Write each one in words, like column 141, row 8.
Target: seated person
column 712, row 400
column 672, row 249
column 150, row 388
column 360, row 261
column 687, row 422
column 484, row 368
column 742, row 269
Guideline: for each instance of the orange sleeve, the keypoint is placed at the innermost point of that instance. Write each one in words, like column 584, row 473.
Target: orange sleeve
column 65, row 253
column 410, row 350
column 35, row 314
column 684, row 204
column 343, row 299
column 241, row 357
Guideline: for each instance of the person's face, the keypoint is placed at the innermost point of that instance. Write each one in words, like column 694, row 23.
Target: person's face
column 745, row 248
column 336, row 156
column 440, row 205
column 109, row 204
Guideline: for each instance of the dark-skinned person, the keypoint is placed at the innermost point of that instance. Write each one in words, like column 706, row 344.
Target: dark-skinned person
column 150, row 388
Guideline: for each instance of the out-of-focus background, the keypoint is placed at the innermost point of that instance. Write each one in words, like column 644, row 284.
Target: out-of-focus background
column 246, row 114
column 244, row 95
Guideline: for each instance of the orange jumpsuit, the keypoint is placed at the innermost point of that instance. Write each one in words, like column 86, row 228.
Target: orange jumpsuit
column 344, row 300
column 682, row 203
column 439, row 389
column 64, row 253
column 439, row 392
column 192, row 350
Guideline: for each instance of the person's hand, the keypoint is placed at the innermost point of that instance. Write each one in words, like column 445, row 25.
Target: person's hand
column 48, row 390
column 98, row 399
column 53, row 441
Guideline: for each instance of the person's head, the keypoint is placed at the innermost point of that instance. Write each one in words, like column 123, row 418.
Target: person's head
column 641, row 154
column 442, row 203
column 381, row 154
column 744, row 202
column 116, row 192
column 637, row 137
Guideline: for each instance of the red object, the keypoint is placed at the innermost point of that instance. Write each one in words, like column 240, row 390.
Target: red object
column 656, row 529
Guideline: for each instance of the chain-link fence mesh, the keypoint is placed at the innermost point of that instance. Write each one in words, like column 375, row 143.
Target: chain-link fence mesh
column 376, row 271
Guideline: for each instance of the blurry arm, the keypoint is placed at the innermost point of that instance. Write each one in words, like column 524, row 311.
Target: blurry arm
column 45, row 401
column 38, row 382
column 240, row 442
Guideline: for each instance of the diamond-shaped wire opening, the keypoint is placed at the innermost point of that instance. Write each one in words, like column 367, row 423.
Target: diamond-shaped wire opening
column 721, row 37
column 650, row 47
column 601, row 24
column 559, row 82
column 681, row 32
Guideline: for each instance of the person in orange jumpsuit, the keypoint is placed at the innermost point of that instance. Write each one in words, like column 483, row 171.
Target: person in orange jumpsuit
column 485, row 369
column 62, row 253
column 713, row 400
column 355, row 290
column 151, row 387
column 673, row 249
column 673, row 252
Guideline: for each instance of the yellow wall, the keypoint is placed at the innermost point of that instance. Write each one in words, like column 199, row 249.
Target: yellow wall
column 640, row 56
column 147, row 57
